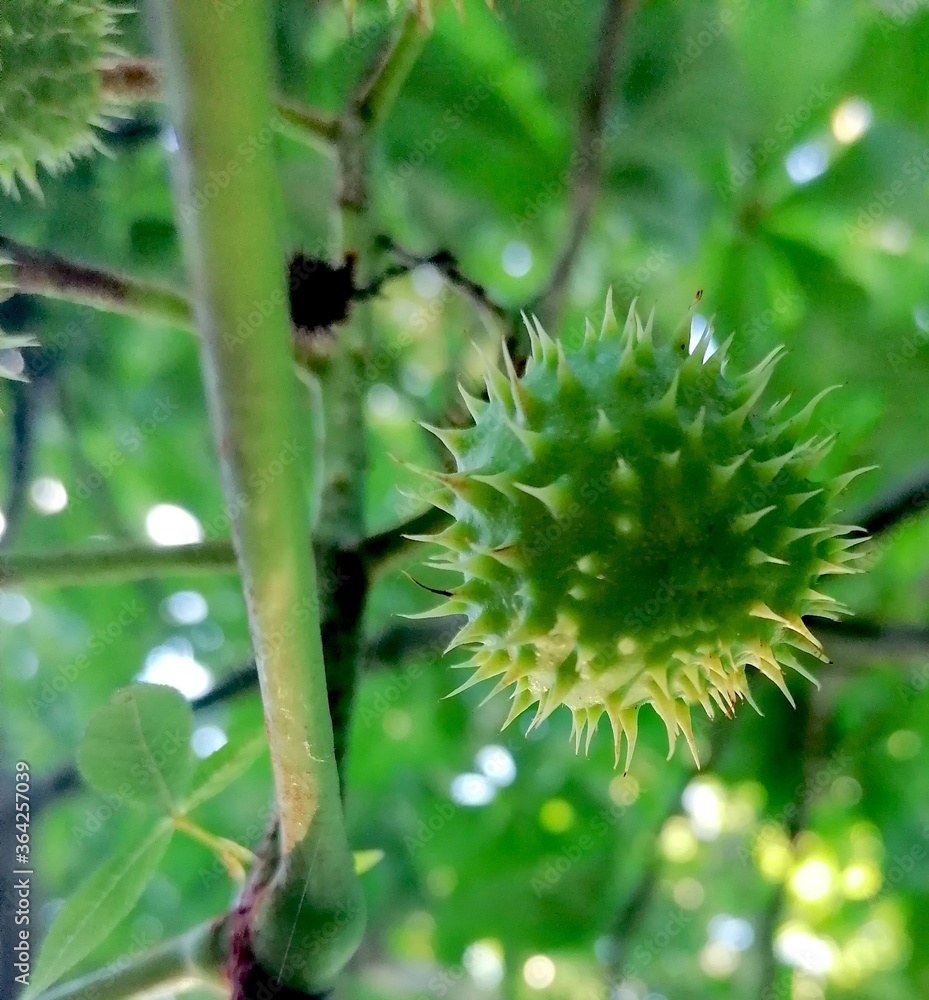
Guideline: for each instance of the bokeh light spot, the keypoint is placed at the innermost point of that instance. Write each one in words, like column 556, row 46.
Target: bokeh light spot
column 168, row 524
column 48, row 495
column 497, row 764
column 850, row 120
column 472, row 790
column 539, row 972
column 813, row 880
column 556, row 816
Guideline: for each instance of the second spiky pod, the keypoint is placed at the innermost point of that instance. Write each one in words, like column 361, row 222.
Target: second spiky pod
column 51, row 94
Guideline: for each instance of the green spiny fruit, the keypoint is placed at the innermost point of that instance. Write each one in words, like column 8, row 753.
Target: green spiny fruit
column 50, row 90
column 632, row 530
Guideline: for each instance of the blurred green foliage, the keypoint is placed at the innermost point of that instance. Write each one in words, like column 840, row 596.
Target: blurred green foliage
column 774, row 156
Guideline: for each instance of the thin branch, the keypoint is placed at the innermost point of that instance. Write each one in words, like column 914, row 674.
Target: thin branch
column 304, row 122
column 137, row 79
column 588, row 155
column 448, row 268
column 344, row 459
column 810, row 756
column 30, row 271
column 393, row 647
column 861, row 640
column 896, row 504
column 125, row 563
column 188, row 962
column 129, row 79
column 239, row 682
column 40, row 272
column 115, row 564
column 369, row 105
column 377, row 92
column 402, row 642
column 381, row 550
column 30, row 400
column 67, row 778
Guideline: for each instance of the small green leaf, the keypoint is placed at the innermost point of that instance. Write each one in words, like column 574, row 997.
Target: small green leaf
column 137, row 747
column 97, row 906
column 220, row 769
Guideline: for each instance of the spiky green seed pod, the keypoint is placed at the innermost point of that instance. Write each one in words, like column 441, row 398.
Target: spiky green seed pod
column 633, row 530
column 50, row 89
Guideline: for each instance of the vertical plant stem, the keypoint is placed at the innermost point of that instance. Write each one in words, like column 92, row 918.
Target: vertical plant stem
column 369, row 106
column 218, row 72
column 589, row 153
column 344, row 382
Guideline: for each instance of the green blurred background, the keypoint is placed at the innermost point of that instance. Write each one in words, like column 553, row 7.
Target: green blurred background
column 774, row 155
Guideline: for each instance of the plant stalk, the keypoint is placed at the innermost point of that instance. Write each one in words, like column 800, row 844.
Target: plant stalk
column 218, row 72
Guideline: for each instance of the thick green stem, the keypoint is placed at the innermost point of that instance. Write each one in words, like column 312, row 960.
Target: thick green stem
column 188, row 962
column 218, row 74
column 115, row 564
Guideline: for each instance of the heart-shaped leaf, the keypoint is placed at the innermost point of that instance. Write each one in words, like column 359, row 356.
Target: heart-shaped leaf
column 137, row 747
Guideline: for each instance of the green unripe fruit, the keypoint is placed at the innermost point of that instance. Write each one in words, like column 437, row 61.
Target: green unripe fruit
column 50, row 89
column 633, row 530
